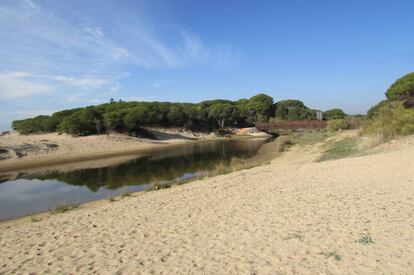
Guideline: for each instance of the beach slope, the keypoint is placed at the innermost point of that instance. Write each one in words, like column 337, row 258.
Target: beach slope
column 295, row 215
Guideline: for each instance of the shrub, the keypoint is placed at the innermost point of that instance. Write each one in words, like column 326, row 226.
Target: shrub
column 348, row 123
column 391, row 120
column 337, row 124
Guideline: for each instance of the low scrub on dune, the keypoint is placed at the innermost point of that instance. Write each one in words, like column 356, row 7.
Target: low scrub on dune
column 348, row 123
column 395, row 115
column 391, row 119
column 342, row 149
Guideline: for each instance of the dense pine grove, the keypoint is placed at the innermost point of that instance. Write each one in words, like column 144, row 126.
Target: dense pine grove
column 131, row 117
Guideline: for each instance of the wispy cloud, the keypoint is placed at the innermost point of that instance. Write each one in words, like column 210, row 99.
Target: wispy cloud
column 81, row 82
column 69, row 47
column 97, row 32
column 79, row 53
column 15, row 85
column 159, row 84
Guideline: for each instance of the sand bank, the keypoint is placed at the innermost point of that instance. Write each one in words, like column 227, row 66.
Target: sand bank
column 349, row 216
column 20, row 151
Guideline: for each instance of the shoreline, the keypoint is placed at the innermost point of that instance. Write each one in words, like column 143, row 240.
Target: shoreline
column 125, row 146
column 20, row 164
column 314, row 217
column 261, row 158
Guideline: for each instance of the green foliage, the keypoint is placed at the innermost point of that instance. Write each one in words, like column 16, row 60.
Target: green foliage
column 62, row 208
column 132, row 117
column 402, row 89
column 224, row 114
column 334, row 114
column 365, row 240
column 374, row 110
column 35, row 219
column 259, row 108
column 292, row 109
column 348, row 123
column 38, row 124
column 394, row 116
column 176, row 115
column 341, row 149
column 113, row 121
column 137, row 117
column 332, row 254
column 87, row 121
column 390, row 119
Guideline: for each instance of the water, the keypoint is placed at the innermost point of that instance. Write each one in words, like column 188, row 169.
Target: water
column 42, row 189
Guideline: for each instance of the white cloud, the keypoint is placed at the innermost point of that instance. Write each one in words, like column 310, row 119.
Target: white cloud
column 96, row 32
column 79, row 43
column 159, row 84
column 78, row 53
column 19, row 84
column 81, row 82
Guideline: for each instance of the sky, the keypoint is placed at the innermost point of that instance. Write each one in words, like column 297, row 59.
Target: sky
column 57, row 54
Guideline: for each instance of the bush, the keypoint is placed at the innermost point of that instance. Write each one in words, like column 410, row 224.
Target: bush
column 348, row 123
column 391, row 120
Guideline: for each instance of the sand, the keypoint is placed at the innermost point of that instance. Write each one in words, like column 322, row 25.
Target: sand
column 46, row 149
column 293, row 216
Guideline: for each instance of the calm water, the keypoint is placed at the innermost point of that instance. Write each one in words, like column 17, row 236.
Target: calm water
column 42, row 190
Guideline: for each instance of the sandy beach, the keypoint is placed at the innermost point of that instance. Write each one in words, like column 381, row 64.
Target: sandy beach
column 19, row 152
column 293, row 216
column 27, row 151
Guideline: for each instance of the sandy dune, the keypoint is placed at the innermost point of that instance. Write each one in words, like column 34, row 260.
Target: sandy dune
column 21, row 151
column 292, row 216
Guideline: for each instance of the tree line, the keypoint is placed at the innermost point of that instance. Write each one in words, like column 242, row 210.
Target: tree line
column 132, row 117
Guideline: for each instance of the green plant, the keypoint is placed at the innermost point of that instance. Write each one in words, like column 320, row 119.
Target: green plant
column 402, row 88
column 341, row 149
column 62, row 208
column 390, row 120
column 35, row 219
column 334, row 114
column 365, row 240
column 332, row 254
column 309, row 138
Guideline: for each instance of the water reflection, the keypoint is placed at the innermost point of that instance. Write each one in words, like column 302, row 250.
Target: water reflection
column 44, row 189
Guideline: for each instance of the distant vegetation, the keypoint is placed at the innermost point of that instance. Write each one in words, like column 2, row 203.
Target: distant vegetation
column 395, row 115
column 132, row 117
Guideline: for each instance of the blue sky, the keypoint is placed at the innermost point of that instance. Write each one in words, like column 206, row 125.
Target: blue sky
column 64, row 54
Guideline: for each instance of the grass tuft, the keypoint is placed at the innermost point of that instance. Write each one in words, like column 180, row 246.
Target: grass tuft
column 62, row 208
column 35, row 219
column 126, row 194
column 112, row 199
column 332, row 254
column 365, row 240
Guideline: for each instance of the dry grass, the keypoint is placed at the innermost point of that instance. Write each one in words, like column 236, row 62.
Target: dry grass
column 35, row 219
column 371, row 141
column 62, row 208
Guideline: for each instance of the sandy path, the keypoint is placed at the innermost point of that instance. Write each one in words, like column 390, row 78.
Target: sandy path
column 292, row 216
